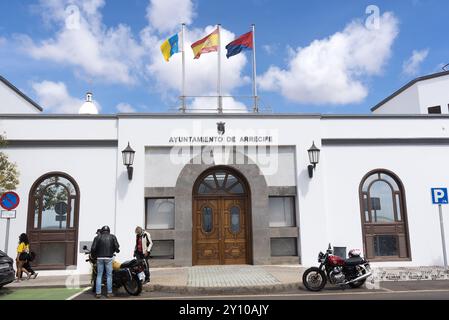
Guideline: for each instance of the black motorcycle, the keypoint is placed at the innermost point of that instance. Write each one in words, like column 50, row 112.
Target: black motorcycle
column 130, row 275
column 338, row 271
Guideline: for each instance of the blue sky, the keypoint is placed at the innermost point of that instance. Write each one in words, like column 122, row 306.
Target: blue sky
column 312, row 57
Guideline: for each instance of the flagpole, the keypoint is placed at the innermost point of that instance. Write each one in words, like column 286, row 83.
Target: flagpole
column 256, row 106
column 183, row 90
column 220, row 102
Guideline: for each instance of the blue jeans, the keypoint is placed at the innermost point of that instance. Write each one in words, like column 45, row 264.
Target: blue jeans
column 103, row 264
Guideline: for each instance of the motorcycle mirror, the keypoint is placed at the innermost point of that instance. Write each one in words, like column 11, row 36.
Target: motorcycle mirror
column 329, row 247
column 84, row 247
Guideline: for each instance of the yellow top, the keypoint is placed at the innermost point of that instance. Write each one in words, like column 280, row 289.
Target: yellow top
column 23, row 247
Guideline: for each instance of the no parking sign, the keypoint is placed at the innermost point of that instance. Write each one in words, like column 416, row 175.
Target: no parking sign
column 9, row 200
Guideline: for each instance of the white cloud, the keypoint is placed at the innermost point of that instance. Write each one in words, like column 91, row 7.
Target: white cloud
column 209, row 105
column 84, row 42
column 332, row 70
column 2, row 41
column 55, row 98
column 167, row 15
column 411, row 66
column 125, row 108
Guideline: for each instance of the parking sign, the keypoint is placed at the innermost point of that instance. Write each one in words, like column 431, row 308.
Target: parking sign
column 439, row 196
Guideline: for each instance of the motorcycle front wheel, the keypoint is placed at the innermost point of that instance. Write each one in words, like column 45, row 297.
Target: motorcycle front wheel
column 133, row 286
column 314, row 279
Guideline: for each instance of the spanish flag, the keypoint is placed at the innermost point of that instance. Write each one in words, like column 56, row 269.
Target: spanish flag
column 207, row 44
column 170, row 47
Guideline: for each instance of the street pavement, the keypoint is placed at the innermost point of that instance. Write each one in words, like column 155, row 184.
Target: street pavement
column 399, row 290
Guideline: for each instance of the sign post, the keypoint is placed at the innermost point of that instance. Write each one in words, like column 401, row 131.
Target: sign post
column 440, row 197
column 9, row 201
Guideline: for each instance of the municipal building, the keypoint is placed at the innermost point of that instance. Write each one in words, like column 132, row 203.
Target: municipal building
column 233, row 188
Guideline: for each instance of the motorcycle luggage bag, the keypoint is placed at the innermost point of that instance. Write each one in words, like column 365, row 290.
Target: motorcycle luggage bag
column 122, row 275
column 129, row 264
column 354, row 261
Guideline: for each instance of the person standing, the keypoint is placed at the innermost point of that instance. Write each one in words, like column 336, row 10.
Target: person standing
column 143, row 248
column 104, row 246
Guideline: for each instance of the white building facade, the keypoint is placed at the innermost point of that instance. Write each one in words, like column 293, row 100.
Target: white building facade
column 229, row 188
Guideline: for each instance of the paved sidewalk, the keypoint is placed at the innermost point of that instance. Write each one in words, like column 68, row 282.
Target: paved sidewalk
column 200, row 279
column 222, row 279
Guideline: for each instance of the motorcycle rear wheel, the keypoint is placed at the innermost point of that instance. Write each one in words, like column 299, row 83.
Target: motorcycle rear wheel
column 314, row 279
column 133, row 286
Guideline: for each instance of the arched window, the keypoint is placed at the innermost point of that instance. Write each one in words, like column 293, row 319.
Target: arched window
column 221, row 183
column 53, row 220
column 54, row 200
column 384, row 216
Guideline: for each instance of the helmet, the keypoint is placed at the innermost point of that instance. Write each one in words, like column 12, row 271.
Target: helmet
column 354, row 253
column 105, row 229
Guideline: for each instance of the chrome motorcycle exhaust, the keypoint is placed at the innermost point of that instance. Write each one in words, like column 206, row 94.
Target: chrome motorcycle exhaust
column 365, row 276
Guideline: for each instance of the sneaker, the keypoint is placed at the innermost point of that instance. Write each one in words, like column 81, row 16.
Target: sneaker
column 110, row 295
column 34, row 275
column 17, row 280
column 29, row 276
column 98, row 296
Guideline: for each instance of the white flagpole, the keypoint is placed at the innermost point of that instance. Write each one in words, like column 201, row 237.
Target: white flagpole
column 256, row 105
column 183, row 90
column 220, row 104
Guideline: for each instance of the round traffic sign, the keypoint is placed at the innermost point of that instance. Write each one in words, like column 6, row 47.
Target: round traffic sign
column 61, row 208
column 9, row 200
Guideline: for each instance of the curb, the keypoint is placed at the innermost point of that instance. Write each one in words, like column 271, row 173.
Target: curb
column 222, row 290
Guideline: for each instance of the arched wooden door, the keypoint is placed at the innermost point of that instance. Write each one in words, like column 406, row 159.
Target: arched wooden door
column 221, row 219
column 52, row 226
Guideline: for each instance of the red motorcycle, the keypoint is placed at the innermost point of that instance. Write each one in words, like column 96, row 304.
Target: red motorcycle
column 338, row 271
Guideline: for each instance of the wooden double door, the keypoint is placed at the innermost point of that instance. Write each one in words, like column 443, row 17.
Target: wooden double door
column 220, row 231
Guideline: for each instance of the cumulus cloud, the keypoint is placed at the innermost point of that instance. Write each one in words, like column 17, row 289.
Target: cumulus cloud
column 333, row 70
column 84, row 42
column 411, row 66
column 55, row 98
column 125, row 108
column 166, row 15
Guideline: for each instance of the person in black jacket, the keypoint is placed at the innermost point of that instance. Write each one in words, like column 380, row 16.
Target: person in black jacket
column 103, row 248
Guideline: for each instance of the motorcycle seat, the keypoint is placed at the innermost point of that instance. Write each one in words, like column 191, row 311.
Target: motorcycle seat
column 129, row 264
column 354, row 261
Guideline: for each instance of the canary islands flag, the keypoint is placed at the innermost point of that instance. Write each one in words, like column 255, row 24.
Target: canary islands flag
column 170, row 47
column 207, row 44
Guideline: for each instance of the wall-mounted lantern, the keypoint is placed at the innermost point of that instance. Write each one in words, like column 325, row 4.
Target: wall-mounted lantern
column 314, row 158
column 128, row 160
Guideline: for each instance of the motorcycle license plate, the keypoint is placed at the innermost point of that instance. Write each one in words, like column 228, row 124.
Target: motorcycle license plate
column 141, row 276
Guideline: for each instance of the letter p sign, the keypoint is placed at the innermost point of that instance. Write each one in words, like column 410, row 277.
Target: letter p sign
column 439, row 196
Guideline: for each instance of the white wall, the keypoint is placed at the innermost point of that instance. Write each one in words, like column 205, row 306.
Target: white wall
column 157, row 161
column 407, row 102
column 419, row 97
column 419, row 167
column 11, row 102
column 94, row 170
column 434, row 92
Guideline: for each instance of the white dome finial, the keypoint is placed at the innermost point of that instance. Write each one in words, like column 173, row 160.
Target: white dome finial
column 88, row 107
